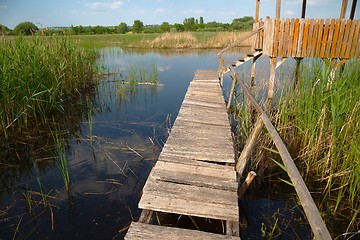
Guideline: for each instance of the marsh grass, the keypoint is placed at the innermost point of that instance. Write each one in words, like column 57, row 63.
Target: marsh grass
column 38, row 75
column 324, row 117
column 319, row 121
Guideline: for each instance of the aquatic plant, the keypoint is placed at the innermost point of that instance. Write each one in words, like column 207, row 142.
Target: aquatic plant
column 323, row 117
column 37, row 75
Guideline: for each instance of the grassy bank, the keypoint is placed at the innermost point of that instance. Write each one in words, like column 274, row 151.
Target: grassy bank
column 192, row 40
column 37, row 76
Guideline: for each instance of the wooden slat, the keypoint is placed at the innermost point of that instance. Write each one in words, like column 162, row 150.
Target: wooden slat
column 320, row 32
column 141, row 231
column 276, row 37
column 223, row 179
column 345, row 40
column 282, row 39
column 310, row 40
column 189, row 200
column 291, row 38
column 324, row 38
column 350, row 40
column 296, row 37
column 305, row 37
column 330, row 38
column 301, row 37
column 356, row 43
column 340, row 39
column 335, row 39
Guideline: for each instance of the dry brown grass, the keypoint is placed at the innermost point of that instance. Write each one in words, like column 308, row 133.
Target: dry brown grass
column 194, row 40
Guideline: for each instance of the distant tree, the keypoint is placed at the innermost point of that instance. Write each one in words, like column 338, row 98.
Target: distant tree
column 165, row 27
column 138, row 26
column 4, row 30
column 179, row 27
column 201, row 20
column 25, row 28
column 189, row 24
column 244, row 23
column 123, row 28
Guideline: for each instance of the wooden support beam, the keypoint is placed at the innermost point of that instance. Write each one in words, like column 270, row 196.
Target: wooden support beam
column 145, row 216
column 257, row 10
column 278, row 8
column 343, row 9
column 353, row 7
column 232, row 228
column 303, row 11
column 271, row 80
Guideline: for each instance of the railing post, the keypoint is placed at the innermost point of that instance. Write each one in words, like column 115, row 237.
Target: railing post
column 343, row 9
column 278, row 8
column 257, row 10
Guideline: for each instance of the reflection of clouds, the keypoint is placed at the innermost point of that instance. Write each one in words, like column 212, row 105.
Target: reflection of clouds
column 163, row 68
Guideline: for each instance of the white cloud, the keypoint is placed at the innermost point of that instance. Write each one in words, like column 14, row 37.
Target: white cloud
column 159, row 10
column 289, row 13
column 102, row 6
column 195, row 11
column 318, row 2
column 3, row 7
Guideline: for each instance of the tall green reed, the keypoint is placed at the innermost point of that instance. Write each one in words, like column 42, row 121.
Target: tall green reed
column 322, row 117
column 37, row 75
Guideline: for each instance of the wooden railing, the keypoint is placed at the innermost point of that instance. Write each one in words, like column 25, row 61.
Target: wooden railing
column 312, row 213
column 315, row 38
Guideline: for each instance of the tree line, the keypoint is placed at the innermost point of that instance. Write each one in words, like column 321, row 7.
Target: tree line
column 189, row 24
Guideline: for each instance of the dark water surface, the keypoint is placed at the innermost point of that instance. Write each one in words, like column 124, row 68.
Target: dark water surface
column 109, row 157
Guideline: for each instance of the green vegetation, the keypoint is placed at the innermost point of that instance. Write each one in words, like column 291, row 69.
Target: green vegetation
column 189, row 24
column 319, row 121
column 25, row 28
column 37, row 76
column 322, row 118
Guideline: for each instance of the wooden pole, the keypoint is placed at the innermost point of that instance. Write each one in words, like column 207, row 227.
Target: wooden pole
column 343, row 9
column 257, row 10
column 271, row 81
column 353, row 7
column 303, row 9
column 278, row 8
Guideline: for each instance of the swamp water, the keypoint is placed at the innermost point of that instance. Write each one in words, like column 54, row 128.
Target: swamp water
column 109, row 152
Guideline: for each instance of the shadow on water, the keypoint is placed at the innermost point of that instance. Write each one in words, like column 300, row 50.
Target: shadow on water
column 109, row 144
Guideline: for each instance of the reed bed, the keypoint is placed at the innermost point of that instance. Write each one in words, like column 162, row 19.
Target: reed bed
column 195, row 40
column 319, row 120
column 322, row 118
column 38, row 75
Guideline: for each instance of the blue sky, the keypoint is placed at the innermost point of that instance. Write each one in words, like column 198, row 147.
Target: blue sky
column 49, row 13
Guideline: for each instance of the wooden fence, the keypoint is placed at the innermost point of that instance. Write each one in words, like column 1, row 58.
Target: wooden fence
column 318, row 38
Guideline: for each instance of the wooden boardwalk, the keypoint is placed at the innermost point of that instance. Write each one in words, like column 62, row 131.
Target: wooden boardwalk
column 194, row 174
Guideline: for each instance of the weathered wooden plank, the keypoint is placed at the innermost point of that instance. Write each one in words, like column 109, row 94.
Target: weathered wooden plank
column 141, row 231
column 335, row 38
column 356, row 44
column 291, row 38
column 324, row 38
column 281, row 44
column 305, row 37
column 345, row 40
column 224, row 179
column 300, row 38
column 320, row 32
column 189, row 200
column 296, row 37
column 276, row 37
column 330, row 38
column 350, row 39
column 310, row 40
column 340, row 39
column 188, row 160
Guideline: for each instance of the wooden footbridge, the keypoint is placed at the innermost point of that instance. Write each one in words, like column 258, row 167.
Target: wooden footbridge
column 196, row 174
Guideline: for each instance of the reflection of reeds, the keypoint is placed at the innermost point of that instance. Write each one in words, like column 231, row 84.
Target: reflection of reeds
column 61, row 161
